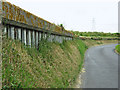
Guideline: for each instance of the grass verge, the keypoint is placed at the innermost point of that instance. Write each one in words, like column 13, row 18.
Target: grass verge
column 54, row 65
column 117, row 48
column 91, row 43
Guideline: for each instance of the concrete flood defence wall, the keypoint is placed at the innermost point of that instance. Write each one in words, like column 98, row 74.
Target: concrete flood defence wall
column 19, row 24
column 32, row 37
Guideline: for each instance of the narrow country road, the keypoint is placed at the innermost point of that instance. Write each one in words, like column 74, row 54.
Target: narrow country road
column 101, row 67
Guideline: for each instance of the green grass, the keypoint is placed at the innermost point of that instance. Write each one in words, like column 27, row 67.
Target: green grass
column 53, row 65
column 118, row 48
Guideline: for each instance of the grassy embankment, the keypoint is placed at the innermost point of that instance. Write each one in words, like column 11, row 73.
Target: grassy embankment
column 54, row 65
column 96, row 34
column 91, row 43
column 117, row 48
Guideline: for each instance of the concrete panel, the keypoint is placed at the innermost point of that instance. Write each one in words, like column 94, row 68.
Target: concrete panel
column 19, row 34
column 24, row 36
column 29, row 38
column 53, row 37
column 50, row 38
column 33, row 38
column 39, row 36
column 66, row 38
column 9, row 32
column 12, row 13
column 45, row 36
column 57, row 38
column 5, row 30
column 61, row 39
column 16, row 33
column 12, row 32
column 36, row 40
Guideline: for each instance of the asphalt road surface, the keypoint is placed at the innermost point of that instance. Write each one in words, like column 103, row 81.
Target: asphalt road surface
column 101, row 66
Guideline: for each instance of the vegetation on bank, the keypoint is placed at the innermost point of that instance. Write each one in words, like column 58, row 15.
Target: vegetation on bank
column 95, row 34
column 91, row 43
column 117, row 48
column 54, row 65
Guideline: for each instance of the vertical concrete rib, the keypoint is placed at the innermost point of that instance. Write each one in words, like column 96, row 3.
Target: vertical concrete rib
column 59, row 39
column 33, row 38
column 25, row 36
column 55, row 37
column 19, row 34
column 9, row 31
column 12, row 33
column 29, row 38
column 45, row 36
column 36, row 41
column 51, row 37
column 5, row 30
column 39, row 36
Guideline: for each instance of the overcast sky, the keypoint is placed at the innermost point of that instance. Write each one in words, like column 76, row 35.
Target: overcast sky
column 75, row 15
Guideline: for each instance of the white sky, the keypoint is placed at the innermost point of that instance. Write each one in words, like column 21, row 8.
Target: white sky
column 75, row 15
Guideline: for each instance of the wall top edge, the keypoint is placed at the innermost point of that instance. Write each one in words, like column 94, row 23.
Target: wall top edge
column 13, row 12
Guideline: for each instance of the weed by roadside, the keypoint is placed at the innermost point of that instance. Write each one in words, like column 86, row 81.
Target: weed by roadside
column 117, row 48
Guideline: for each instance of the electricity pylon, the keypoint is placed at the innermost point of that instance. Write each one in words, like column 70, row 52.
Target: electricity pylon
column 93, row 24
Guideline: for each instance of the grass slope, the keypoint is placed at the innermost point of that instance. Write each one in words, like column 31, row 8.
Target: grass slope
column 91, row 43
column 117, row 48
column 54, row 65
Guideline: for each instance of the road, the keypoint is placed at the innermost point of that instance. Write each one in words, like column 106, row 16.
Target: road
column 101, row 67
